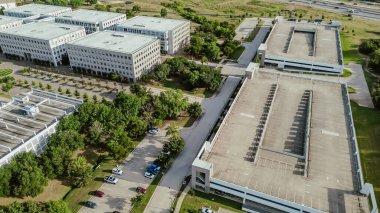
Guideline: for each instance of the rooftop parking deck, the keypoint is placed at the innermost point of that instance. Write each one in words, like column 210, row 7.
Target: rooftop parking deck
column 304, row 41
column 277, row 166
column 17, row 126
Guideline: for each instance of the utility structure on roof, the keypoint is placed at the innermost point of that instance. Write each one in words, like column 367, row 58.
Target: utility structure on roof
column 174, row 34
column 27, row 121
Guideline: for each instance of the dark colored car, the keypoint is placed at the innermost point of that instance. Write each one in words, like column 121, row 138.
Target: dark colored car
column 141, row 190
column 99, row 193
column 90, row 204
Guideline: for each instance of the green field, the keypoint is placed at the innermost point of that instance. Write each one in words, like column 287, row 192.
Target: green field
column 200, row 199
column 367, row 124
column 238, row 51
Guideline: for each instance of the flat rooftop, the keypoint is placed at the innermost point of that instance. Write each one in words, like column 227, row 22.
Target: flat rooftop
column 304, row 41
column 277, row 168
column 115, row 41
column 8, row 19
column 16, row 126
column 89, row 16
column 152, row 23
column 36, row 9
column 43, row 30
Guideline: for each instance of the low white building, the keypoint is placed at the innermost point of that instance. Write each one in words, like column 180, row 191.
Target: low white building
column 92, row 20
column 107, row 52
column 40, row 42
column 173, row 34
column 6, row 4
column 7, row 22
column 37, row 10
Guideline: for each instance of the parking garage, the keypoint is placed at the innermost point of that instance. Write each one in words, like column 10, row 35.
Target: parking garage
column 29, row 119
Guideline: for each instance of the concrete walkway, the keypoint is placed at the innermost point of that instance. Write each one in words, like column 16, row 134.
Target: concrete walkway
column 357, row 81
column 165, row 193
column 181, row 198
column 251, row 47
column 245, row 28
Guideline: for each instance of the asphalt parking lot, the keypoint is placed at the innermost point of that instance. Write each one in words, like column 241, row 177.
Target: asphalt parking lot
column 117, row 197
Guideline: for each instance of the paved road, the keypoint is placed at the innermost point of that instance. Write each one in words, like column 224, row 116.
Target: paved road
column 357, row 81
column 334, row 7
column 118, row 196
column 195, row 136
column 245, row 28
column 251, row 47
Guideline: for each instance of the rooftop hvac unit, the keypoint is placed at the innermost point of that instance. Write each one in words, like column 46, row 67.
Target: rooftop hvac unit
column 31, row 110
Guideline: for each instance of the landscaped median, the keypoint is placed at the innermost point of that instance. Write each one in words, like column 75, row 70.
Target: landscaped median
column 5, row 72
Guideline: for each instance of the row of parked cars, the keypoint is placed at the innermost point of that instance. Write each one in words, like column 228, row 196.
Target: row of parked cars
column 151, row 171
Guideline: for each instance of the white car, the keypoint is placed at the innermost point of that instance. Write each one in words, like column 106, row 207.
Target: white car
column 117, row 171
column 110, row 179
column 207, row 210
column 153, row 131
column 149, row 175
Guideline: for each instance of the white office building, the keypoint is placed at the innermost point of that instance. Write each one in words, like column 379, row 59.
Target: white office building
column 7, row 22
column 38, row 10
column 92, row 20
column 173, row 34
column 40, row 42
column 107, row 52
column 6, row 4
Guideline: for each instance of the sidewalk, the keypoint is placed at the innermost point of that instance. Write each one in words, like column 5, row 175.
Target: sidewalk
column 181, row 198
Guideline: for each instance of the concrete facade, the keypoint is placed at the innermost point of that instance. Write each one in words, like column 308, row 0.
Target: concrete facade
column 92, row 20
column 107, row 52
column 41, row 42
column 7, row 22
column 36, row 10
column 7, row 4
column 173, row 34
column 23, row 132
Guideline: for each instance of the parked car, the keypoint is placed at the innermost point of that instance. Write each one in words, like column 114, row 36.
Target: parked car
column 150, row 170
column 110, row 179
column 117, row 171
column 90, row 204
column 149, row 175
column 141, row 190
column 153, row 131
column 99, row 193
column 206, row 210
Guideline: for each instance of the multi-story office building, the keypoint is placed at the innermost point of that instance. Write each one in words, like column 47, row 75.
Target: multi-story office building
column 38, row 10
column 108, row 52
column 173, row 34
column 92, row 20
column 7, row 22
column 7, row 4
column 40, row 42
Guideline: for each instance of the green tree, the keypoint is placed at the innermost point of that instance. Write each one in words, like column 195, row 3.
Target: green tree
column 136, row 8
column 48, row 86
column 59, row 89
column 68, row 92
column 136, row 201
column 194, row 109
column 95, row 98
column 170, row 104
column 76, row 3
column 374, row 61
column 58, row 206
column 120, row 144
column 100, row 7
column 161, row 72
column 40, row 85
column 85, row 96
column 204, row 60
column 212, row 51
column 91, row 2
column 79, row 172
column 196, row 45
column 129, row 13
column 76, row 93
column 54, row 160
column 163, row 12
column 5, row 180
column 28, row 178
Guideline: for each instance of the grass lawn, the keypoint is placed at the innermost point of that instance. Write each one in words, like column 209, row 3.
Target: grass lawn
column 367, row 124
column 175, row 84
column 370, row 79
column 238, row 51
column 5, row 72
column 346, row 73
column 350, row 50
column 140, row 208
column 55, row 190
column 200, row 199
column 76, row 196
